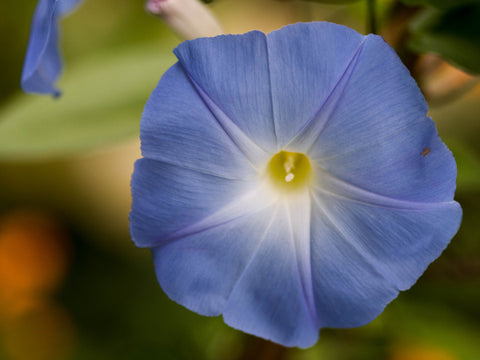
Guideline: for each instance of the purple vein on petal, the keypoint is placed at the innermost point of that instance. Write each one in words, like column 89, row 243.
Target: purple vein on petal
column 252, row 202
column 254, row 253
column 382, row 139
column 370, row 260
column 252, row 151
column 274, row 118
column 308, row 134
column 203, row 171
column 300, row 236
column 332, row 185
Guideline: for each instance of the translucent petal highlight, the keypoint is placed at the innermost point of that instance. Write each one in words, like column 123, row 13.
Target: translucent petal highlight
column 269, row 300
column 168, row 198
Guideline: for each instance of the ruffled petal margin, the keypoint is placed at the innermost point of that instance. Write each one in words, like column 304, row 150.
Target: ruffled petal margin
column 386, row 243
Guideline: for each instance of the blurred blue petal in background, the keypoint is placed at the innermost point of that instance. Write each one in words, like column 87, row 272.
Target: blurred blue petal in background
column 43, row 63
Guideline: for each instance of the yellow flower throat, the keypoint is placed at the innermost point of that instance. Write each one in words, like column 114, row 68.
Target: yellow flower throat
column 289, row 171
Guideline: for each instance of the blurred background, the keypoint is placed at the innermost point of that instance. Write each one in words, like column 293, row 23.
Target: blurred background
column 73, row 285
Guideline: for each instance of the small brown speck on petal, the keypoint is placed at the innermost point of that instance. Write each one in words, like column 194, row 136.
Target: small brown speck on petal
column 426, row 151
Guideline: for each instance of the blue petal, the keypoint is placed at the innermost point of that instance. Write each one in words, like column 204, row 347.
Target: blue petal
column 231, row 73
column 375, row 133
column 42, row 62
column 411, row 164
column 272, row 297
column 306, row 62
column 200, row 269
column 367, row 249
column 178, row 128
column 66, row 6
column 167, row 198
column 248, row 267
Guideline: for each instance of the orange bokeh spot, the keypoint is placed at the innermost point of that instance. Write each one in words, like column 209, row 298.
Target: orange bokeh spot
column 422, row 353
column 33, row 257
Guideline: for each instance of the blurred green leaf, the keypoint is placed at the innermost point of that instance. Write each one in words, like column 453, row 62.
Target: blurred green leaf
column 102, row 103
column 441, row 4
column 453, row 34
column 468, row 166
column 431, row 324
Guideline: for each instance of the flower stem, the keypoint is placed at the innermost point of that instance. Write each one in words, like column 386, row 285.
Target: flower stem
column 371, row 18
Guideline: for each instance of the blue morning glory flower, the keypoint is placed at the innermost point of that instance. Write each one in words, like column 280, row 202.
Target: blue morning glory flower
column 42, row 62
column 291, row 181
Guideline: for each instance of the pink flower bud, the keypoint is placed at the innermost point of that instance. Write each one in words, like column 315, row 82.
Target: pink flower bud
column 188, row 18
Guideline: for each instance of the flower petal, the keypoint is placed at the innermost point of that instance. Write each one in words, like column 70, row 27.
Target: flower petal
column 200, row 269
column 400, row 238
column 66, row 6
column 271, row 298
column 411, row 164
column 231, row 73
column 178, row 128
column 386, row 245
column 167, row 198
column 376, row 134
column 42, row 62
column 306, row 63
column 240, row 261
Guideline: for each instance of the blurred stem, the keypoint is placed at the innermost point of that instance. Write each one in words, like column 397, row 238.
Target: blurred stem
column 395, row 32
column 259, row 349
column 371, row 17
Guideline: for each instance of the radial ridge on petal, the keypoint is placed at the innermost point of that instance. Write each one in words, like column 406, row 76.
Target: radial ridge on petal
column 301, row 84
column 254, row 153
column 251, row 202
column 298, row 210
column 398, row 242
column 177, row 127
column 167, row 198
column 332, row 185
column 312, row 129
column 381, row 102
column 348, row 290
column 232, row 71
column 268, row 299
column 201, row 269
column 394, row 166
